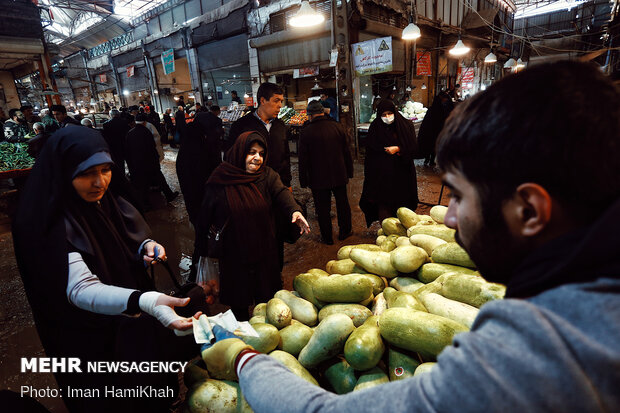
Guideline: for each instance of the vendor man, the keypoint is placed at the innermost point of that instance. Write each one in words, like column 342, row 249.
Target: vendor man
column 535, row 201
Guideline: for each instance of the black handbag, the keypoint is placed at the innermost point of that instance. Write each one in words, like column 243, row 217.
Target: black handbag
column 215, row 241
column 192, row 290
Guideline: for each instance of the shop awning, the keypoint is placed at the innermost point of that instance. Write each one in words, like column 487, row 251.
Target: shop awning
column 217, row 55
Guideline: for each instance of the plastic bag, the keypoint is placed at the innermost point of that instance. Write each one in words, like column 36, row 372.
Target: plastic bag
column 208, row 277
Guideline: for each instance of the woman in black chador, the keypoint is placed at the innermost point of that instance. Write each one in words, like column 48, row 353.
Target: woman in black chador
column 82, row 248
column 242, row 197
column 389, row 172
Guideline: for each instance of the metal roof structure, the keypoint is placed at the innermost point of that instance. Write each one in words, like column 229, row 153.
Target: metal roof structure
column 74, row 25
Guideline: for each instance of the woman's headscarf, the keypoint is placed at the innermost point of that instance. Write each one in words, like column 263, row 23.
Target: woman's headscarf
column 53, row 220
column 249, row 211
column 403, row 128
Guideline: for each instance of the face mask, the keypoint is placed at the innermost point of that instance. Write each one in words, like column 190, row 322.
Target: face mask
column 387, row 119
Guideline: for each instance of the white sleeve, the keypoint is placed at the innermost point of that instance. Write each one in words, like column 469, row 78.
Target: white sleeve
column 86, row 291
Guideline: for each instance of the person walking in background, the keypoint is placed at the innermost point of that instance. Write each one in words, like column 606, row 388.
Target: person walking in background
column 168, row 127
column 115, row 132
column 234, row 97
column 330, row 104
column 325, row 165
column 211, row 124
column 389, row 173
column 60, row 114
column 143, row 162
column 15, row 128
column 87, row 122
column 432, row 124
column 30, row 117
column 35, row 145
column 242, row 198
column 179, row 125
column 51, row 125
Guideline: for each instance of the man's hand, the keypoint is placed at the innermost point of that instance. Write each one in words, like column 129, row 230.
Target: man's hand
column 301, row 222
column 392, row 149
column 153, row 252
column 220, row 357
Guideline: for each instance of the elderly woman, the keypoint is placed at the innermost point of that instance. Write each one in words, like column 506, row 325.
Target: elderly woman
column 389, row 173
column 242, row 197
column 82, row 249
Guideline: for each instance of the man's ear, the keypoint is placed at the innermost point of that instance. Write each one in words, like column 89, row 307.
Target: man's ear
column 531, row 208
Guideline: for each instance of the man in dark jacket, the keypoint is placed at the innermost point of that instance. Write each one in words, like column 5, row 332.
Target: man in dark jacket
column 60, row 114
column 325, row 165
column 15, row 128
column 35, row 145
column 211, row 125
column 265, row 121
column 143, row 162
column 115, row 131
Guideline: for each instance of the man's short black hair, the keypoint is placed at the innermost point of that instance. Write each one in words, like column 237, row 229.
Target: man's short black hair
column 215, row 108
column 267, row 90
column 58, row 108
column 12, row 112
column 26, row 107
column 553, row 124
column 141, row 117
column 233, row 91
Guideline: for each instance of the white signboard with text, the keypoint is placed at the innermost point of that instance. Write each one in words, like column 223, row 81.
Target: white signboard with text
column 372, row 56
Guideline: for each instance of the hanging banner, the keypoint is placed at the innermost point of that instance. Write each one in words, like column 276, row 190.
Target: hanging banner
column 130, row 71
column 423, row 67
column 306, row 72
column 167, row 61
column 467, row 78
column 372, row 56
column 103, row 78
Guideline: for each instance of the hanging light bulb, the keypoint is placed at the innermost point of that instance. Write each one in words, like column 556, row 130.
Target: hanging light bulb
column 316, row 86
column 306, row 16
column 510, row 63
column 245, row 95
column 520, row 64
column 491, row 58
column 459, row 48
column 423, row 86
column 408, row 89
column 394, row 88
column 411, row 32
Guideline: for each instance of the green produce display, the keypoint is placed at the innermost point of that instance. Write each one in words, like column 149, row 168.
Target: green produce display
column 354, row 347
column 14, row 156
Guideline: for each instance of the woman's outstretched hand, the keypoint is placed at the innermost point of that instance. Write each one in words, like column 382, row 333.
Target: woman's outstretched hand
column 301, row 222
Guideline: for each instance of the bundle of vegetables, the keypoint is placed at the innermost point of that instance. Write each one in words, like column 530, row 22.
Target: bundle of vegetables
column 384, row 312
column 14, row 156
column 286, row 114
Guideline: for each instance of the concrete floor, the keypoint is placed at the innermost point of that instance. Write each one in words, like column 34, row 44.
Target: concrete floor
column 170, row 225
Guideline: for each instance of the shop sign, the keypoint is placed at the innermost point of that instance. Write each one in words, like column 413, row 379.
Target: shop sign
column 103, row 78
column 372, row 56
column 131, row 71
column 467, row 78
column 423, row 67
column 306, row 72
column 249, row 101
column 167, row 61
